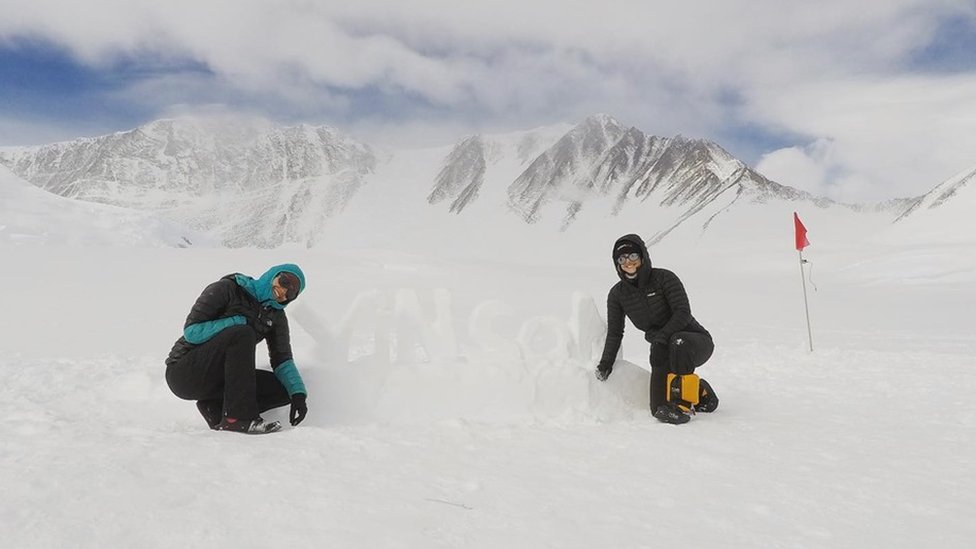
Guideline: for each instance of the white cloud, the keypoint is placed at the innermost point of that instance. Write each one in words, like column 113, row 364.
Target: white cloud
column 816, row 168
column 899, row 136
column 797, row 167
column 829, row 70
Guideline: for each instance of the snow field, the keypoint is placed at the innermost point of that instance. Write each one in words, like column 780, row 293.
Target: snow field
column 465, row 414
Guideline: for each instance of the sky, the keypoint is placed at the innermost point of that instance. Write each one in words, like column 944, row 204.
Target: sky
column 855, row 101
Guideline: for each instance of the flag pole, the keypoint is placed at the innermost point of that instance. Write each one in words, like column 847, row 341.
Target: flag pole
column 800, row 236
column 806, row 305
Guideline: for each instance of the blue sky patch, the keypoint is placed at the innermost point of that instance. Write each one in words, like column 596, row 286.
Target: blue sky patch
column 952, row 49
column 41, row 81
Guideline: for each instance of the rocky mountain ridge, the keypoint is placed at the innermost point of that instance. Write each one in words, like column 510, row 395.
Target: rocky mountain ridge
column 601, row 164
column 254, row 183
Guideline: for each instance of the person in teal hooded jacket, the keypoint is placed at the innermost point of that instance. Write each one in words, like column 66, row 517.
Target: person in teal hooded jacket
column 213, row 361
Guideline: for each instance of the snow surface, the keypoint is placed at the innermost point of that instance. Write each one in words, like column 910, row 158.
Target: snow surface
column 31, row 216
column 452, row 401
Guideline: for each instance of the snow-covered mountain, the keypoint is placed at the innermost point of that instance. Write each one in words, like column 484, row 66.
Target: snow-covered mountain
column 254, row 183
column 959, row 189
column 30, row 216
column 462, row 175
column 944, row 214
column 602, row 166
column 251, row 182
column 601, row 158
column 498, row 158
column 591, row 179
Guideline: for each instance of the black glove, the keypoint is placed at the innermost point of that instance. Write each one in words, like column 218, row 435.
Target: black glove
column 298, row 408
column 604, row 371
column 660, row 356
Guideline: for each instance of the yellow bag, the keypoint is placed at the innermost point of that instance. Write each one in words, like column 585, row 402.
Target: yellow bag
column 683, row 390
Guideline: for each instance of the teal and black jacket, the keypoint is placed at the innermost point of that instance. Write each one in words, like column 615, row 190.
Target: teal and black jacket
column 239, row 300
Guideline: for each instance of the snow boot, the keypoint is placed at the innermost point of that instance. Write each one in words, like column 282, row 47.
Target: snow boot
column 669, row 412
column 211, row 411
column 707, row 399
column 251, row 427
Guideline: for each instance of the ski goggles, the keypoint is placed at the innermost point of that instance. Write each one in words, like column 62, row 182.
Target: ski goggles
column 290, row 283
column 628, row 257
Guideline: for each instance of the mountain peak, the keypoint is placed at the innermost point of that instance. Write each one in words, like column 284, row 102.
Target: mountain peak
column 596, row 129
column 600, row 120
column 600, row 158
column 259, row 183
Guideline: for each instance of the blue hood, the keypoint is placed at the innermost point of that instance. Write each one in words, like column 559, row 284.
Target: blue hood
column 260, row 289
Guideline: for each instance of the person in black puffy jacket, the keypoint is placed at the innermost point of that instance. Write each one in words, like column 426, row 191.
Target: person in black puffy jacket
column 213, row 361
column 656, row 303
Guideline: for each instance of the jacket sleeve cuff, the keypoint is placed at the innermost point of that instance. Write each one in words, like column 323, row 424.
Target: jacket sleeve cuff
column 287, row 374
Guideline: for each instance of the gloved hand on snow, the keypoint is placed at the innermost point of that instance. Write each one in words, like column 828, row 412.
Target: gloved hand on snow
column 298, row 408
column 604, row 371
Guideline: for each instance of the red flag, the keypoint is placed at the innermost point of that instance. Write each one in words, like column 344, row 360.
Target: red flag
column 801, row 233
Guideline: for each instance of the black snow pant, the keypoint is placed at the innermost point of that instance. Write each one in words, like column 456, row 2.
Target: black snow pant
column 686, row 351
column 222, row 371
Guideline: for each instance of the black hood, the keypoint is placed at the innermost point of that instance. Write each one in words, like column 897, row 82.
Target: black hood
column 644, row 271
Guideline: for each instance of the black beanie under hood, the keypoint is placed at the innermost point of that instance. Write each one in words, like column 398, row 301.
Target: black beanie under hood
column 629, row 244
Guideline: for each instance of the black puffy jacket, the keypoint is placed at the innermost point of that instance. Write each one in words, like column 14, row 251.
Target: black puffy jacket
column 226, row 298
column 656, row 304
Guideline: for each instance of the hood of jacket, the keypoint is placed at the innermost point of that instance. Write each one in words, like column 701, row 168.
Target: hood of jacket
column 260, row 289
column 644, row 271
